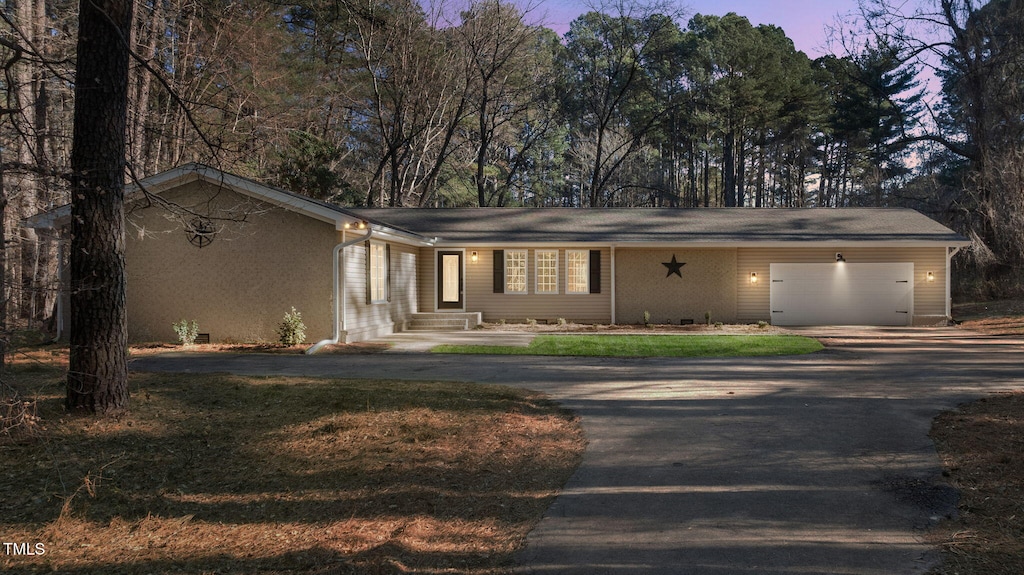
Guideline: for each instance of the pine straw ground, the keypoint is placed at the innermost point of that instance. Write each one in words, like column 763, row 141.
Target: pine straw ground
column 243, row 475
column 981, row 445
column 982, row 449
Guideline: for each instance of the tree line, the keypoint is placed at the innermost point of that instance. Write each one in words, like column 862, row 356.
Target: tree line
column 362, row 102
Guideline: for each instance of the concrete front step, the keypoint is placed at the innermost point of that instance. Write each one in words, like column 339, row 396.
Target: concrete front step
column 453, row 321
column 437, row 325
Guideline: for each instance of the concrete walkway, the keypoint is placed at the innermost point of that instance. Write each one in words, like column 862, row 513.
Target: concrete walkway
column 421, row 341
column 817, row 464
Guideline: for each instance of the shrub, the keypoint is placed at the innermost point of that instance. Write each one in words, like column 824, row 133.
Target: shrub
column 530, row 321
column 647, row 317
column 561, row 321
column 187, row 332
column 762, row 324
column 292, row 331
column 707, row 317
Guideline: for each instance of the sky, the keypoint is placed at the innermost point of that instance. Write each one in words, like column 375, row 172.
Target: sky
column 804, row 21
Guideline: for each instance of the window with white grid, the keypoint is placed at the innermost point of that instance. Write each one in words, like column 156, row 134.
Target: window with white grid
column 547, row 271
column 577, row 271
column 378, row 273
column 515, row 271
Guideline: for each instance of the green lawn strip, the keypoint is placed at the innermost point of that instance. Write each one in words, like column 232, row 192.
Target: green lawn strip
column 649, row 346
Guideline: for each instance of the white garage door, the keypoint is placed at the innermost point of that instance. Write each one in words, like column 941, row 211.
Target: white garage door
column 842, row 293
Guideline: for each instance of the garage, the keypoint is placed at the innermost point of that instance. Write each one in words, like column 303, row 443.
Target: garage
column 842, row 293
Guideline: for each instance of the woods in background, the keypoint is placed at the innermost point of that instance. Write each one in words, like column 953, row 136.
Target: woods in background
column 638, row 104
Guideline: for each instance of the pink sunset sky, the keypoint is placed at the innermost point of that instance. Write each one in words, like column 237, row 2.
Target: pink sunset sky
column 804, row 21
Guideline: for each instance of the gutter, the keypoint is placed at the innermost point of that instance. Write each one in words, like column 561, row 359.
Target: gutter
column 339, row 309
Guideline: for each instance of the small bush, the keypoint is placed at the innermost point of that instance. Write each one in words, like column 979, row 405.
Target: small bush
column 561, row 321
column 187, row 332
column 292, row 331
column 647, row 317
column 531, row 321
column 718, row 324
column 762, row 324
column 707, row 317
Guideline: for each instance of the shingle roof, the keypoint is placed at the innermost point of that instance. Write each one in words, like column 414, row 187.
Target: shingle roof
column 708, row 226
column 701, row 226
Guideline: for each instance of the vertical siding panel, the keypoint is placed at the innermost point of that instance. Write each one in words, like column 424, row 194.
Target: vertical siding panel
column 378, row 318
column 404, row 291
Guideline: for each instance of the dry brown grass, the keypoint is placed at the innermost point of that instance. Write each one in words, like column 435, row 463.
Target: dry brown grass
column 240, row 475
column 339, row 349
column 1005, row 317
column 981, row 445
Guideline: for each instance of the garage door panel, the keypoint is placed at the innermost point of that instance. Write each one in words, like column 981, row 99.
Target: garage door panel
column 842, row 293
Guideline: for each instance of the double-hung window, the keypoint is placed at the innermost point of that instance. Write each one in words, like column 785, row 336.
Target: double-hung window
column 547, row 271
column 515, row 271
column 577, row 271
column 378, row 273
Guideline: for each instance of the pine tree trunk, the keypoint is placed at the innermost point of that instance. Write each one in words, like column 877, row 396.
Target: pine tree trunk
column 729, row 169
column 98, row 372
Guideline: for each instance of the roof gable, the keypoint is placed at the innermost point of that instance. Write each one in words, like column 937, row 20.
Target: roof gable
column 193, row 172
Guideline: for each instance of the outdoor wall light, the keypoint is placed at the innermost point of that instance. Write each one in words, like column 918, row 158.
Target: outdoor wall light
column 362, row 225
column 473, row 257
column 753, row 277
column 839, row 257
column 930, row 276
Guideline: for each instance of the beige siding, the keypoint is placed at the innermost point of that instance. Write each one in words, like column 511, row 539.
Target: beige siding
column 365, row 320
column 707, row 285
column 480, row 296
column 425, row 281
column 929, row 297
column 238, row 287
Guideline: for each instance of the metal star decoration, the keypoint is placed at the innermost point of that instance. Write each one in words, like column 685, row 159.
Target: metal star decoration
column 674, row 267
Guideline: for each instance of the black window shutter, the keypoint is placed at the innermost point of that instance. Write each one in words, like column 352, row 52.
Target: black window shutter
column 369, row 294
column 499, row 271
column 595, row 271
column 387, row 268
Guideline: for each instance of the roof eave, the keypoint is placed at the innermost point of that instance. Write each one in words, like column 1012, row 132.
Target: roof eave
column 913, row 243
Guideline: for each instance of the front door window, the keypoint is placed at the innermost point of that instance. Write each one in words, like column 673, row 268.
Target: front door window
column 449, row 280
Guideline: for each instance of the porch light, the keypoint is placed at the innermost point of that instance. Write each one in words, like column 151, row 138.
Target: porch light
column 753, row 277
column 839, row 257
column 362, row 225
column 930, row 276
column 473, row 257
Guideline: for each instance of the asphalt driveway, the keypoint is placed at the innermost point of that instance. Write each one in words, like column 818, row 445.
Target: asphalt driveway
column 793, row 465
